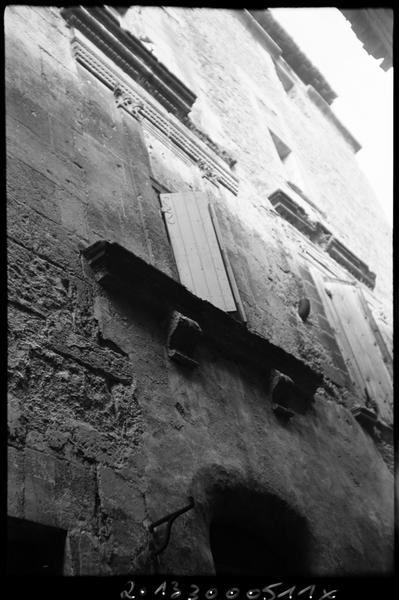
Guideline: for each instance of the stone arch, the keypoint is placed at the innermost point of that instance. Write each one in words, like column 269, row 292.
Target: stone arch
column 251, row 529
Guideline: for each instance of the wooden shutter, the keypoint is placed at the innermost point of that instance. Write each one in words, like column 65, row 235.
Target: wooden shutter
column 196, row 249
column 358, row 343
column 382, row 334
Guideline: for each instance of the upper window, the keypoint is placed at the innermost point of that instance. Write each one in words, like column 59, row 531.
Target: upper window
column 292, row 169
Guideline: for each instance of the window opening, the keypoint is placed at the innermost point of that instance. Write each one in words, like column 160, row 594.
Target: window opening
column 34, row 549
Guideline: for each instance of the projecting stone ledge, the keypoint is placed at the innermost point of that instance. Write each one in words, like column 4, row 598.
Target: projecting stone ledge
column 121, row 271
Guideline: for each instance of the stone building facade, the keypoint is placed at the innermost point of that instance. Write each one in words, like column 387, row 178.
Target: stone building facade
column 199, row 303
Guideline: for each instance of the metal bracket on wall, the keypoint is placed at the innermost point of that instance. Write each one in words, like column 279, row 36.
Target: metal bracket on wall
column 169, row 519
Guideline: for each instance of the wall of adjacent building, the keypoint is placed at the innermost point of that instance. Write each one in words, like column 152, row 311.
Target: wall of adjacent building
column 106, row 434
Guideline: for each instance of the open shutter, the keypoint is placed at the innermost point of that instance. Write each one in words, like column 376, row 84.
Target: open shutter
column 363, row 352
column 196, row 249
column 382, row 334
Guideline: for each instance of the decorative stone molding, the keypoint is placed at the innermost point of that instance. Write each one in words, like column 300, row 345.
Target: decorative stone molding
column 350, row 262
column 292, row 212
column 124, row 273
column 97, row 43
column 208, row 172
column 183, row 336
column 320, row 235
column 102, row 28
column 133, row 107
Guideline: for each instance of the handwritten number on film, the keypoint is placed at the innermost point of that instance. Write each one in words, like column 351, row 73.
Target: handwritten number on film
column 267, row 593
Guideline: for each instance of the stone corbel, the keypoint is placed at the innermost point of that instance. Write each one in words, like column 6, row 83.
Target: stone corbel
column 134, row 107
column 366, row 417
column 287, row 398
column 281, row 391
column 207, row 171
column 183, row 336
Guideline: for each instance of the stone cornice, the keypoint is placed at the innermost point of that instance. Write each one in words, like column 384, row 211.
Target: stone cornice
column 350, row 262
column 259, row 33
column 293, row 55
column 320, row 235
column 97, row 52
column 119, row 270
column 102, row 28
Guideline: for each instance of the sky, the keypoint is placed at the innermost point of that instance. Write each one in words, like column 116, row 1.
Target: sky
column 365, row 91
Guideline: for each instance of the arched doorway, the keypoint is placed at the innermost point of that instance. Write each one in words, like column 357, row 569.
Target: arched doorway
column 256, row 533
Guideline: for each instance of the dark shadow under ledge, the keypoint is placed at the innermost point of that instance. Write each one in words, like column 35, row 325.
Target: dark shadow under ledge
column 121, row 271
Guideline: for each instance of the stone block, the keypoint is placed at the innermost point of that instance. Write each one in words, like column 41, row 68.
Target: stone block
column 28, row 186
column 57, row 492
column 22, row 108
column 123, row 505
column 36, row 281
column 43, row 237
column 15, row 483
column 39, row 498
column 62, row 139
column 16, row 421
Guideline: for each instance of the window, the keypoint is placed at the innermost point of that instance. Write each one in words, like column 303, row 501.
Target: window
column 293, row 173
column 361, row 342
column 201, row 260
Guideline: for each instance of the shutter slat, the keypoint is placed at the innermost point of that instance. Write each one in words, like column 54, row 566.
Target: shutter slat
column 207, row 252
column 199, row 262
column 227, row 264
column 177, row 240
column 194, row 239
column 217, row 276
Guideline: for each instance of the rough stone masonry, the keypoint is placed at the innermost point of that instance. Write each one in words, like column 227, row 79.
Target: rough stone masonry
column 107, row 434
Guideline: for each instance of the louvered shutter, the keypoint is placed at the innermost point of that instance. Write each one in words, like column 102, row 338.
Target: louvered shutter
column 196, row 249
column 361, row 344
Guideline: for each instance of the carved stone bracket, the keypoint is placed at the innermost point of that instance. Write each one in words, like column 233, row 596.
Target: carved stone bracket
column 207, row 171
column 320, row 235
column 365, row 417
column 369, row 421
column 287, row 398
column 183, row 336
column 134, row 107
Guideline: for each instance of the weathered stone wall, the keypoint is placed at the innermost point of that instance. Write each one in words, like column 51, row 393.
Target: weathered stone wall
column 105, row 433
